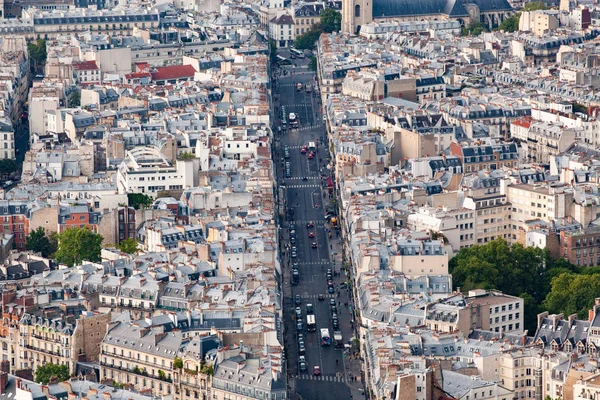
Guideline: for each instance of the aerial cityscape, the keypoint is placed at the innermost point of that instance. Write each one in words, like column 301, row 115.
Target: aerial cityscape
column 288, row 199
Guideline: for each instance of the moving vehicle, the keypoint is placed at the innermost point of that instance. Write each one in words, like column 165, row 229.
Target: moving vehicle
column 293, row 118
column 321, row 297
column 295, row 277
column 316, row 370
column 313, row 245
column 312, row 146
column 298, row 300
column 311, row 235
column 311, row 323
column 298, row 86
column 310, row 309
column 283, row 61
column 325, row 338
column 297, row 53
column 303, row 150
column 310, row 224
column 337, row 338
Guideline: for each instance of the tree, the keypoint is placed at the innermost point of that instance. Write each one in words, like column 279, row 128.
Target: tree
column 186, row 155
column 139, row 200
column 40, row 243
column 78, row 244
column 475, row 28
column 312, row 65
column 510, row 24
column 177, row 363
column 331, row 20
column 307, row 40
column 128, row 246
column 534, row 6
column 47, row 372
column 74, row 99
column 573, row 294
column 37, row 54
column 273, row 50
column 7, row 167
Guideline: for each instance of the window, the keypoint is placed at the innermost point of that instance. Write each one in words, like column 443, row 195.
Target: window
column 357, row 11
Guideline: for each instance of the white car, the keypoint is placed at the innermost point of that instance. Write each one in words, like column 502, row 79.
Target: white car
column 324, row 117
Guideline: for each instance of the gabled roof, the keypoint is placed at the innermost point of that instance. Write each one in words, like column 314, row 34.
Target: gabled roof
column 85, row 66
column 173, row 72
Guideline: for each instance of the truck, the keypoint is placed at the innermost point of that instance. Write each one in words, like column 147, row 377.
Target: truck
column 325, row 338
column 337, row 338
column 311, row 323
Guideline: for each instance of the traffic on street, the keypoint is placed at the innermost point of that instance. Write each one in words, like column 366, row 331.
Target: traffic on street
column 317, row 308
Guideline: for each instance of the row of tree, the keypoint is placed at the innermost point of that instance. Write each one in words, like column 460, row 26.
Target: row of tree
column 73, row 245
column 544, row 283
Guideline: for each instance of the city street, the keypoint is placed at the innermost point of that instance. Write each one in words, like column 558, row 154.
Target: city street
column 305, row 201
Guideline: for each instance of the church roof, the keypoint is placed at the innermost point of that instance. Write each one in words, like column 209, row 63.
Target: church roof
column 452, row 8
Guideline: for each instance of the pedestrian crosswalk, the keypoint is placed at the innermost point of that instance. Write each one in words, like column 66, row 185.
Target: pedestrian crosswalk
column 307, row 186
column 307, row 128
column 316, row 296
column 318, row 223
column 314, row 263
column 302, row 177
column 328, row 378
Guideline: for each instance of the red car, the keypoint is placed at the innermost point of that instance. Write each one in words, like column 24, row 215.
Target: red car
column 311, row 155
column 316, row 370
column 304, row 150
column 311, row 235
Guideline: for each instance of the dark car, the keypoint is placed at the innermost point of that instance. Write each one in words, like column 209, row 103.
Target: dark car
column 333, row 309
column 297, row 300
column 321, row 297
column 330, row 290
column 332, row 302
column 310, row 309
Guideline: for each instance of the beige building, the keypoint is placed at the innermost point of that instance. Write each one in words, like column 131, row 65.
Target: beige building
column 521, row 371
column 491, row 212
column 60, row 341
column 529, row 202
column 140, row 356
column 417, row 258
column 371, row 85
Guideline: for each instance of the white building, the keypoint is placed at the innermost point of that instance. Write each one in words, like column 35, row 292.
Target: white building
column 281, row 30
column 147, row 170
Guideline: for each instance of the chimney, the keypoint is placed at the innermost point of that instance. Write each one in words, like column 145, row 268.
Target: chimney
column 3, row 381
column 275, row 374
column 240, row 365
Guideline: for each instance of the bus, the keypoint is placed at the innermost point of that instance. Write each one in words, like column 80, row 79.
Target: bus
column 311, row 323
column 283, row 61
column 296, row 53
column 312, row 146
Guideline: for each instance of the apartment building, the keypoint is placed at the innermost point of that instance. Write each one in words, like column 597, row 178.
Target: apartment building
column 416, row 258
column 281, row 29
column 140, row 355
column 546, row 139
column 521, row 371
column 581, row 247
column 457, row 225
column 147, row 170
column 53, row 23
column 491, row 216
column 545, row 202
column 63, row 340
column 486, row 157
column 489, row 311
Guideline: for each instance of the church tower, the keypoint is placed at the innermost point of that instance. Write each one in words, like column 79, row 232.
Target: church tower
column 356, row 13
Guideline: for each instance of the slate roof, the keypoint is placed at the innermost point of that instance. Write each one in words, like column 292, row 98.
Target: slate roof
column 452, row 8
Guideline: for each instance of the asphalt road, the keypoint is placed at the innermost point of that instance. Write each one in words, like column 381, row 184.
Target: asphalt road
column 307, row 198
